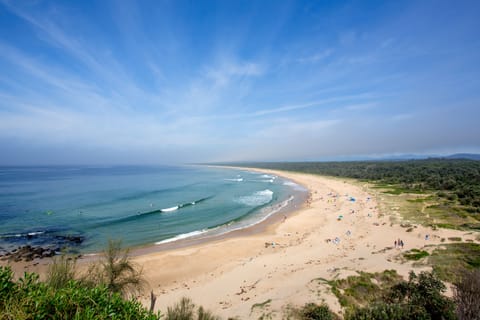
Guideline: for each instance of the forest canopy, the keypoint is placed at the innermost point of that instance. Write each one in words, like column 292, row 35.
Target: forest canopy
column 457, row 178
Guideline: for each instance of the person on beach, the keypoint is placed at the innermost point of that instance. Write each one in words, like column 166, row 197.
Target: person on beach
column 395, row 243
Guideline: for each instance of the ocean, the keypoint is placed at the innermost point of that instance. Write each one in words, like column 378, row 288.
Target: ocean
column 82, row 207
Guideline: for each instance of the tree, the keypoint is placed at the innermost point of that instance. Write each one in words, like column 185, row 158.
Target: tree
column 116, row 271
column 466, row 294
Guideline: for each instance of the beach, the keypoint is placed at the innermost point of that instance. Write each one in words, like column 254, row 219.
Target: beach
column 338, row 231
column 341, row 228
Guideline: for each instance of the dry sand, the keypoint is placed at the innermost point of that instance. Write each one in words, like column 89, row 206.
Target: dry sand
column 230, row 276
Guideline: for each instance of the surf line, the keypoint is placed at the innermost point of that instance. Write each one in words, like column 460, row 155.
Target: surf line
column 175, row 208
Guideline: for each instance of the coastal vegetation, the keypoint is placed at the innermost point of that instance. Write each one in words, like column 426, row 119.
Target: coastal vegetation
column 185, row 309
column 312, row 311
column 366, row 296
column 364, row 288
column 29, row 298
column 109, row 287
column 451, row 260
column 116, row 271
column 442, row 193
column 385, row 295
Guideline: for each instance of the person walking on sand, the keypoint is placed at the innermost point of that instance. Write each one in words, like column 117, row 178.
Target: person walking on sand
column 395, row 243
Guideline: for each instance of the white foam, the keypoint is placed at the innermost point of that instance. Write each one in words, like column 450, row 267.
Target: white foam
column 235, row 180
column 263, row 180
column 169, row 209
column 257, row 199
column 294, row 185
column 267, row 176
column 265, row 217
column 35, row 233
column 183, row 236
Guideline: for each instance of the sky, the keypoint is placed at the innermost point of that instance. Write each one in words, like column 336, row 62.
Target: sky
column 164, row 82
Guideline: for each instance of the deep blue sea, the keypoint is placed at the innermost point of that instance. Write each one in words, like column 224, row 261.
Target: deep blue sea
column 83, row 206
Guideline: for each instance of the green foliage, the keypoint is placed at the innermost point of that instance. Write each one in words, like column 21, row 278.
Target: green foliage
column 363, row 289
column 116, row 271
column 456, row 180
column 415, row 254
column 61, row 271
column 312, row 311
column 455, row 239
column 28, row 298
column 386, row 311
column 452, row 258
column 421, row 297
column 185, row 310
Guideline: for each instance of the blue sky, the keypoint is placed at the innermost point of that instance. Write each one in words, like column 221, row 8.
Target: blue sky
column 119, row 82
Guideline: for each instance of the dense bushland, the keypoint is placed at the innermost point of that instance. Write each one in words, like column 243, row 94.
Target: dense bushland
column 458, row 179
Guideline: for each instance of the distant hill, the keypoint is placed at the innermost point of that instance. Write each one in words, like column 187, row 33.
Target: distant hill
column 470, row 156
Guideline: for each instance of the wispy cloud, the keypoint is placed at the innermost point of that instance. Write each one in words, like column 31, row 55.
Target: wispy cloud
column 316, row 57
column 169, row 82
column 323, row 102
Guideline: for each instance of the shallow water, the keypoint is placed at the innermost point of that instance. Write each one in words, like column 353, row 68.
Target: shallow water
column 82, row 207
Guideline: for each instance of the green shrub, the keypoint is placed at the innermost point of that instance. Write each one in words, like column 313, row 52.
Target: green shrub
column 185, row 310
column 61, row 271
column 116, row 271
column 387, row 311
column 421, row 297
column 415, row 254
column 312, row 311
column 28, row 298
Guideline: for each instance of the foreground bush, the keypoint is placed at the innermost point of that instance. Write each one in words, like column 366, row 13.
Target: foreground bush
column 312, row 311
column 186, row 310
column 28, row 298
column 116, row 271
column 421, row 297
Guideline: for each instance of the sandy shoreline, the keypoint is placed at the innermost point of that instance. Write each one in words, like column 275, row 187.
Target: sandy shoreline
column 279, row 262
column 231, row 275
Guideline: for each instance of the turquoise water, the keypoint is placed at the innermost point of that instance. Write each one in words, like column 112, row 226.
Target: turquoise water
column 83, row 207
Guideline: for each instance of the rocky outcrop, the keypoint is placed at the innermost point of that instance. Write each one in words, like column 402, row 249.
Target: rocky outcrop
column 29, row 253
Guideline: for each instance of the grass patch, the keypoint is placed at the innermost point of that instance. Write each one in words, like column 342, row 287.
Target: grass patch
column 261, row 305
column 421, row 200
column 428, row 210
column 449, row 260
column 447, row 226
column 415, row 254
column 457, row 239
column 364, row 288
